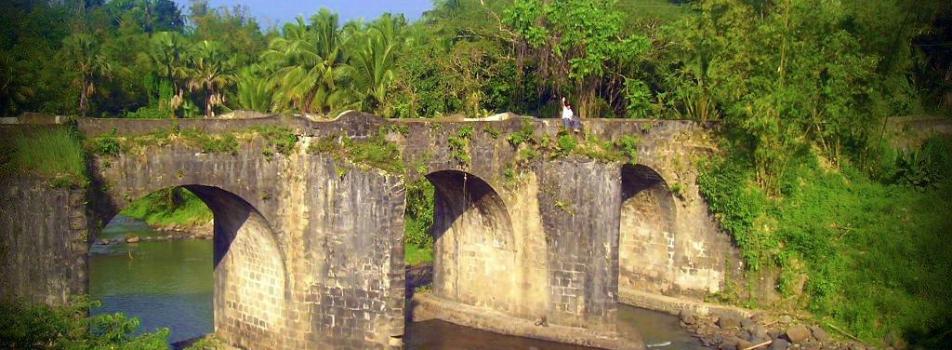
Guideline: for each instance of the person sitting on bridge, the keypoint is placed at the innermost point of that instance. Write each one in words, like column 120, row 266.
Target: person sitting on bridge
column 568, row 117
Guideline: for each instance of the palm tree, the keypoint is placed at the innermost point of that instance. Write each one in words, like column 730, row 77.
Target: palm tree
column 373, row 59
column 13, row 91
column 210, row 73
column 254, row 92
column 84, row 56
column 168, row 54
column 308, row 62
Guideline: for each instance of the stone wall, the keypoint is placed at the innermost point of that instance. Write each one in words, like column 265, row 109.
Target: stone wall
column 580, row 224
column 308, row 249
column 670, row 242
column 43, row 243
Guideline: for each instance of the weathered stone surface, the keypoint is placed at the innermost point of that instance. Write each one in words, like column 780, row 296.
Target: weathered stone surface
column 308, row 247
column 798, row 334
column 43, row 241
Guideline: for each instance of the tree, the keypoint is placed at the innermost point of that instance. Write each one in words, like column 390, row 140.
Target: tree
column 13, row 92
column 308, row 65
column 371, row 60
column 210, row 73
column 254, row 91
column 574, row 44
column 82, row 53
column 168, row 54
column 787, row 75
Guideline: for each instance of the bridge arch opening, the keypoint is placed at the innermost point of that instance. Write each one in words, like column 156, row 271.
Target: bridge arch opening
column 233, row 285
column 647, row 237
column 473, row 244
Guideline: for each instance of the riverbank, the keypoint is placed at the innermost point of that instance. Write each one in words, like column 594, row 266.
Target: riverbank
column 201, row 233
column 125, row 229
column 764, row 330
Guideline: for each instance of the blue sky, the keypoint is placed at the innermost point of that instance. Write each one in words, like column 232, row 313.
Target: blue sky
column 276, row 12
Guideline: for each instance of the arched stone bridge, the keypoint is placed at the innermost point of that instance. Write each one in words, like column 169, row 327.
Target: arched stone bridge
column 309, row 245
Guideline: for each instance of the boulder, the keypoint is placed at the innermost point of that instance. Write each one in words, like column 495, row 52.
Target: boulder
column 820, row 335
column 747, row 324
column 731, row 343
column 132, row 239
column 688, row 317
column 757, row 334
column 728, row 322
column 798, row 334
column 779, row 344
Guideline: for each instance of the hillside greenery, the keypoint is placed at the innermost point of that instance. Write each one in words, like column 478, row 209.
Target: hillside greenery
column 170, row 207
column 854, row 230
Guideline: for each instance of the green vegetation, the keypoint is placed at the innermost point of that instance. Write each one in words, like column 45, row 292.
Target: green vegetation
column 417, row 254
column 31, row 326
column 208, row 342
column 374, row 151
column 870, row 256
column 55, row 154
column 277, row 140
column 280, row 139
column 459, row 145
column 112, row 145
column 418, row 218
column 170, row 207
column 800, row 89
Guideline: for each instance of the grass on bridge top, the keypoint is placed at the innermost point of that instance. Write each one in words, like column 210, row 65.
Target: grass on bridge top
column 55, row 154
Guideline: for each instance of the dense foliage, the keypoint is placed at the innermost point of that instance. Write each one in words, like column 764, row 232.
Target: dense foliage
column 870, row 255
column 806, row 185
column 34, row 326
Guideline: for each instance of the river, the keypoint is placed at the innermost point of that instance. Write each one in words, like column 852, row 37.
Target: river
column 169, row 284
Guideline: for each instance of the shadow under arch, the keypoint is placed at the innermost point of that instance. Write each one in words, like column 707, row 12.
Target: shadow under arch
column 473, row 241
column 647, row 237
column 249, row 275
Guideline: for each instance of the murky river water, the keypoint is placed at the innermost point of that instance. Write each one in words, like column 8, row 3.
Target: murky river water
column 169, row 284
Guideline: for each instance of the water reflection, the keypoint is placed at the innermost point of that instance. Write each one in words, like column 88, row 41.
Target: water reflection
column 170, row 284
column 164, row 284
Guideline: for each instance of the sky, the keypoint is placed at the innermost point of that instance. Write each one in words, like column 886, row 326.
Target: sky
column 276, row 12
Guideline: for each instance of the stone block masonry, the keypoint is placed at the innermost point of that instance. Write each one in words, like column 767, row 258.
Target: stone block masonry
column 43, row 241
column 309, row 245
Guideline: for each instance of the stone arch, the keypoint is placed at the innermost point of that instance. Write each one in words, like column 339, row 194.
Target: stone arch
column 474, row 243
column 250, row 281
column 647, row 234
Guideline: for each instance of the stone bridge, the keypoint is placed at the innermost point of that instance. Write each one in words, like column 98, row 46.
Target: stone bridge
column 309, row 243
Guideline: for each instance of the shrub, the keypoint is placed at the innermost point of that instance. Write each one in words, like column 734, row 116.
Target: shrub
column 30, row 326
column 566, row 145
column 281, row 139
column 524, row 135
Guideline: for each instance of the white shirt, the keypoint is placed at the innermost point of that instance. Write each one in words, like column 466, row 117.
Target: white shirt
column 567, row 113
